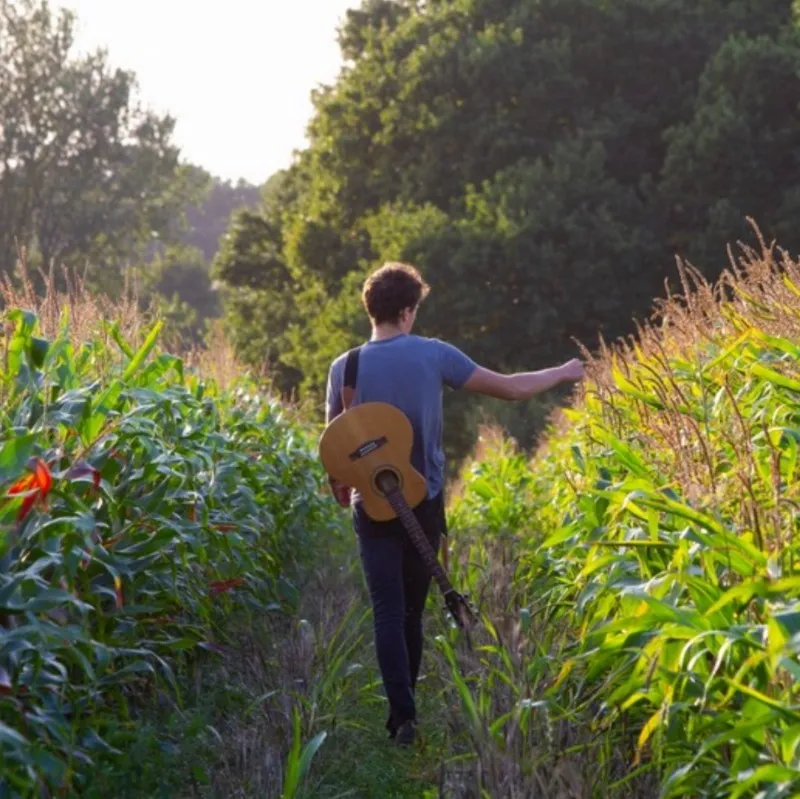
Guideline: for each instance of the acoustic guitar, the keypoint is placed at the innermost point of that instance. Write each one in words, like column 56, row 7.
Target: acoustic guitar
column 368, row 447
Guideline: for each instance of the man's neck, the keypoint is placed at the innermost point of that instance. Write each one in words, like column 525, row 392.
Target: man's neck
column 380, row 332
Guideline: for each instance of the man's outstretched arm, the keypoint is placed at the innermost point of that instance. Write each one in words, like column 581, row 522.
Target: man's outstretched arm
column 522, row 385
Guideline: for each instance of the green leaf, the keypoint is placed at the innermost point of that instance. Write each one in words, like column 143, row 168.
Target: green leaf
column 482, row 488
column 143, row 351
column 116, row 335
column 561, row 535
column 309, row 751
column 772, row 773
column 788, row 713
column 11, row 736
column 38, row 351
column 200, row 775
column 15, row 454
column 775, row 377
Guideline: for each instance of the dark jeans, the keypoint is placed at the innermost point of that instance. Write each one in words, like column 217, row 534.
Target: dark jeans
column 398, row 584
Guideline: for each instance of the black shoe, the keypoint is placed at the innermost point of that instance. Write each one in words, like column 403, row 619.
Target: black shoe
column 405, row 734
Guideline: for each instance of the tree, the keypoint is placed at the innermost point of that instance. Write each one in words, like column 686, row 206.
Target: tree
column 541, row 160
column 87, row 176
column 739, row 155
column 364, row 25
column 178, row 280
column 259, row 287
column 208, row 217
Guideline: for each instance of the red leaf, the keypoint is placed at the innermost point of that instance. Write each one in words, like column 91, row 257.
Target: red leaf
column 44, row 478
column 23, row 484
column 39, row 484
column 27, row 504
column 82, row 470
column 220, row 586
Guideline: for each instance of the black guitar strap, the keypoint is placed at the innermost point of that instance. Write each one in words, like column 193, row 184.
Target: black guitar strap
column 350, row 377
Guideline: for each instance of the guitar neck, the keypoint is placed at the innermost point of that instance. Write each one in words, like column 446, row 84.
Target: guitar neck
column 419, row 539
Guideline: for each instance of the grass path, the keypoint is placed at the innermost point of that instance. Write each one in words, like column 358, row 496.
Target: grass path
column 233, row 732
column 357, row 758
column 288, row 681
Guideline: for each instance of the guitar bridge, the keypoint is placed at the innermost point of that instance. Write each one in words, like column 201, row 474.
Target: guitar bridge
column 368, row 447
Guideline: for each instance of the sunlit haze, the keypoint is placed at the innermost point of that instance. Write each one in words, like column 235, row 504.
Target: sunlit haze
column 236, row 75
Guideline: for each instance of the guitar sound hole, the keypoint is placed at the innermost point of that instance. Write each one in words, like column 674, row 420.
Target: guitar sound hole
column 386, row 480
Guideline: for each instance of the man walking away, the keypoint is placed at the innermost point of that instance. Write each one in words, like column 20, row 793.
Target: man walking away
column 410, row 372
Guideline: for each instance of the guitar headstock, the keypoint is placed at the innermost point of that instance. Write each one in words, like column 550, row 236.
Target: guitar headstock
column 461, row 609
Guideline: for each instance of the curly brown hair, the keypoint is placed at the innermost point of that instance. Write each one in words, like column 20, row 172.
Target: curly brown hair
column 390, row 289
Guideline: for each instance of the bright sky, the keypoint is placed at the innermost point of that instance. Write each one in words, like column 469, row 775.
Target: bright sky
column 235, row 74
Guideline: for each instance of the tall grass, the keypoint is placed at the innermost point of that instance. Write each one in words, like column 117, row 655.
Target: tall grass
column 650, row 586
column 52, row 294
column 141, row 502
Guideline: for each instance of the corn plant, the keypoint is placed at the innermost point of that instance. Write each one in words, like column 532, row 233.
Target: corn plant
column 140, row 504
column 652, row 547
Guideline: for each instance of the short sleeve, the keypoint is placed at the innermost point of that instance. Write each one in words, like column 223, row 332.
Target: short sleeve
column 334, row 392
column 456, row 367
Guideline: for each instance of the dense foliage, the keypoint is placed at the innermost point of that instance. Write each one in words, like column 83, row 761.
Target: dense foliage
column 141, row 503
column 86, row 174
column 177, row 270
column 652, row 560
column 541, row 160
column 90, row 177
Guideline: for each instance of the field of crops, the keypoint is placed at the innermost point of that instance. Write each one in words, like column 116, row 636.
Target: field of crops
column 641, row 572
column 141, row 503
column 636, row 578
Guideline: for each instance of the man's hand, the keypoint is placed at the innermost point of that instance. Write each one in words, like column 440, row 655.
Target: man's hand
column 572, row 370
column 340, row 492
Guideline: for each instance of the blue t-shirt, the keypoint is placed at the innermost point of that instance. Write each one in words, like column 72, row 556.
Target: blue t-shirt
column 408, row 372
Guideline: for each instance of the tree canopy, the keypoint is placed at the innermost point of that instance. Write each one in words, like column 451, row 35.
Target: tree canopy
column 541, row 161
column 87, row 176
column 91, row 179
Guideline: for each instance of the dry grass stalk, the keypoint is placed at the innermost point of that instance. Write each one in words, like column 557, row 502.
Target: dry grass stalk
column 551, row 758
column 217, row 360
column 760, row 290
column 67, row 293
column 87, row 311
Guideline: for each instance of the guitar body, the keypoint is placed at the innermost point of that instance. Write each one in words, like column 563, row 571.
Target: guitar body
column 360, row 446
